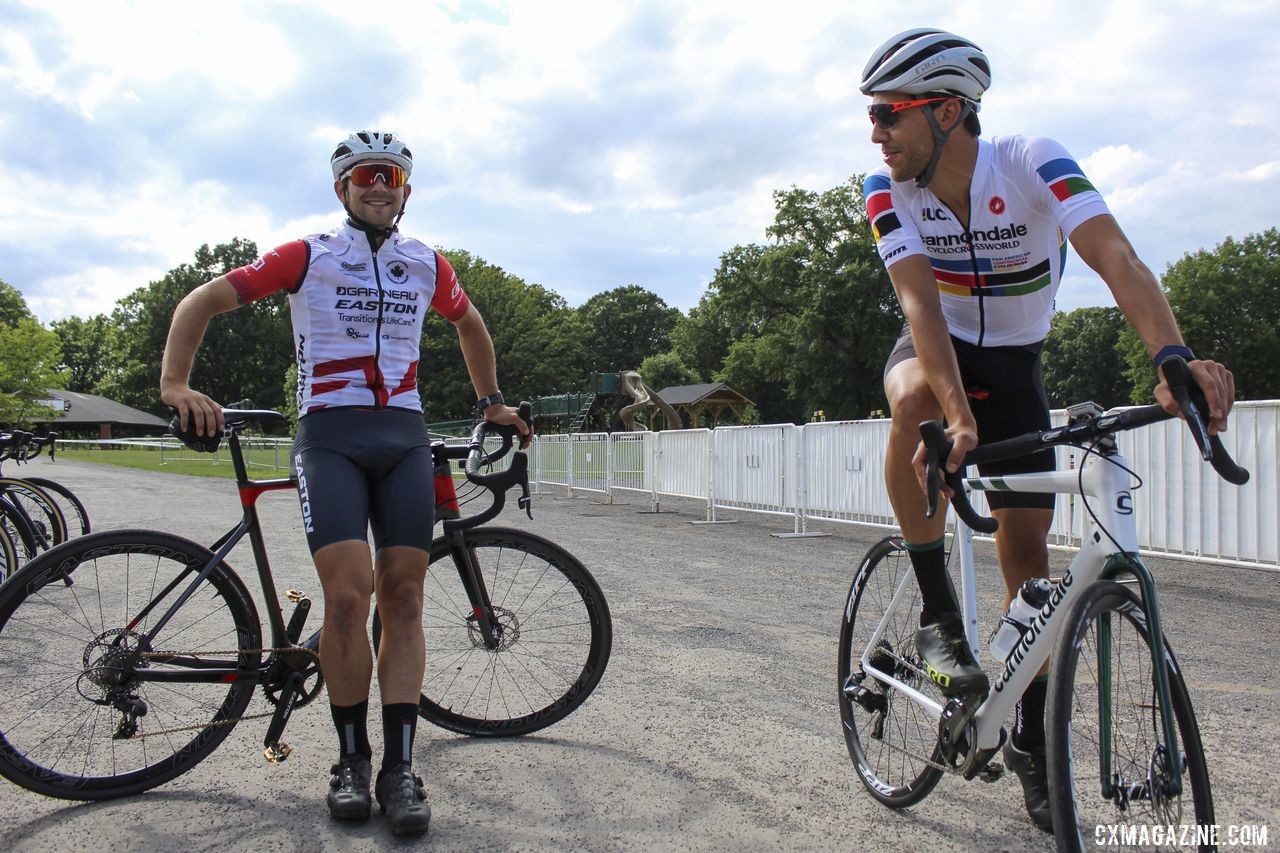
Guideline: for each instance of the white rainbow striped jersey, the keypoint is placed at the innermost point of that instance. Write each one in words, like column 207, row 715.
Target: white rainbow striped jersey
column 997, row 280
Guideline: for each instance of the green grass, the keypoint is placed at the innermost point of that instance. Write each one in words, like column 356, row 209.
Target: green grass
column 211, row 465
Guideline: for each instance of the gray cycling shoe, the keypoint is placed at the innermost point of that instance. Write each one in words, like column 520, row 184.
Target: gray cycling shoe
column 349, row 789
column 403, row 799
column 948, row 659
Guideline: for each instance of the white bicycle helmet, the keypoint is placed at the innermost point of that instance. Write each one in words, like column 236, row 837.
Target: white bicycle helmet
column 927, row 60
column 370, row 145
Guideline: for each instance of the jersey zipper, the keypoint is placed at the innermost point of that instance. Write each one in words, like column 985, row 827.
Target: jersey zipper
column 973, row 263
column 378, row 383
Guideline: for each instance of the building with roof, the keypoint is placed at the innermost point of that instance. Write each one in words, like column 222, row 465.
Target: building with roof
column 89, row 413
column 704, row 405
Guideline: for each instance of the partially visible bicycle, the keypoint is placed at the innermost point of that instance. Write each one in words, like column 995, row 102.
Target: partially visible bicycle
column 1122, row 740
column 30, row 518
column 27, row 447
column 131, row 654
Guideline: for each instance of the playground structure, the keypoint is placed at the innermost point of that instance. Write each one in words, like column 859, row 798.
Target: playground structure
column 609, row 403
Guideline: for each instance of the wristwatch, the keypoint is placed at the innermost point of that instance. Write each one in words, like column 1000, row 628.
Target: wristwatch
column 493, row 399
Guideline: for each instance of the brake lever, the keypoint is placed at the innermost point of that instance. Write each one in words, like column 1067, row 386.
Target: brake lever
column 937, row 449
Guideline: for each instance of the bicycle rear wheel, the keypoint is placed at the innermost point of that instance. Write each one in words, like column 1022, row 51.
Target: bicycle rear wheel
column 556, row 637
column 1102, row 691
column 73, row 511
column 892, row 739
column 88, row 709
column 32, row 517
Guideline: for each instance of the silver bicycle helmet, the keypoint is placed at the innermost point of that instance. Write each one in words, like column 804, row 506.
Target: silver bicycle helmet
column 927, row 60
column 370, row 145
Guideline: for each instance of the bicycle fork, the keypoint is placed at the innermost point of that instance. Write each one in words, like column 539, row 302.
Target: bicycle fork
column 483, row 624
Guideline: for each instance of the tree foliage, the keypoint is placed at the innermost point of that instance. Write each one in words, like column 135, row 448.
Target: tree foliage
column 87, row 349
column 244, row 354
column 626, row 325
column 664, row 370
column 29, row 362
column 804, row 322
column 1227, row 302
column 1083, row 359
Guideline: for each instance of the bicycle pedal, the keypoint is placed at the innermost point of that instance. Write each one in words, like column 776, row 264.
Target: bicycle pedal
column 294, row 595
column 277, row 752
column 992, row 772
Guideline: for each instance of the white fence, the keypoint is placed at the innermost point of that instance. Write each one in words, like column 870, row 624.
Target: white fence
column 835, row 472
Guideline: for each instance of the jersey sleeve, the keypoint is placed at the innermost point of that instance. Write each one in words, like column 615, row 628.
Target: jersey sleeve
column 283, row 268
column 895, row 235
column 450, row 300
column 1066, row 192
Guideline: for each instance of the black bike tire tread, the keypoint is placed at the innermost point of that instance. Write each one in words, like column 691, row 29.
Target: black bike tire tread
column 240, row 604
column 56, row 488
column 48, row 504
column 1106, row 596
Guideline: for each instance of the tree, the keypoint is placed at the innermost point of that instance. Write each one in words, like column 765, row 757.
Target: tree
column 664, row 370
column 1227, row 302
column 86, row 348
column 625, row 326
column 29, row 359
column 804, row 322
column 537, row 339
column 13, row 308
column 244, row 354
column 1083, row 359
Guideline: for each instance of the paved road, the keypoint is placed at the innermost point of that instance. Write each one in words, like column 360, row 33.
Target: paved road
column 715, row 726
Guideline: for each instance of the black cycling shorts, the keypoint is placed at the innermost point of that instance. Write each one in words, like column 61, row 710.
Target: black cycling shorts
column 1007, row 397
column 362, row 468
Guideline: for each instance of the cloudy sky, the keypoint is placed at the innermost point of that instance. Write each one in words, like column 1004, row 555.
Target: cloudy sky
column 583, row 144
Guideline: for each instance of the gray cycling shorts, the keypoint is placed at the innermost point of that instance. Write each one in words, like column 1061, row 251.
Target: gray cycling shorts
column 365, row 468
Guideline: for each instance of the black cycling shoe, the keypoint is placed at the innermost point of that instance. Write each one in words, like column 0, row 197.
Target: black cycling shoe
column 403, row 799
column 349, row 789
column 1031, row 770
column 948, row 658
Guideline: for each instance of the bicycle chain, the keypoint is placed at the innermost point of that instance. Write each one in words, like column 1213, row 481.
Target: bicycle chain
column 220, row 723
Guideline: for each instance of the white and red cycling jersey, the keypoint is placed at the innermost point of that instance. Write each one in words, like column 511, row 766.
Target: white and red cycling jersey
column 357, row 315
column 997, row 278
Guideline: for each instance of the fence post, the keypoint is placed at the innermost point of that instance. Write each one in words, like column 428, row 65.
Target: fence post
column 568, row 456
column 800, row 528
column 608, row 465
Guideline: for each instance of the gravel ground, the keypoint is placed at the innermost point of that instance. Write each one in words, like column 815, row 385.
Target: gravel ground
column 715, row 726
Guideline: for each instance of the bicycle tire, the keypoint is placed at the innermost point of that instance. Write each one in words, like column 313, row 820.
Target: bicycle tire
column 77, row 520
column 557, row 636
column 36, row 510
column 1074, row 723
column 8, row 556
column 888, row 734
column 69, row 621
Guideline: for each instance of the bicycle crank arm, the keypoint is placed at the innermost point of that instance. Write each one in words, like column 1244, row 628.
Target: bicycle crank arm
column 275, row 751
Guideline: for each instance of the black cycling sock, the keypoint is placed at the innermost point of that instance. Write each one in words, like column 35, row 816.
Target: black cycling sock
column 930, row 563
column 399, row 725
column 352, row 722
column 1028, row 718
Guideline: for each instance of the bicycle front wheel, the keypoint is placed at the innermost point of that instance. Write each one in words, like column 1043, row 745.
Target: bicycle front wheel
column 556, row 635
column 892, row 739
column 1109, row 762
column 89, row 709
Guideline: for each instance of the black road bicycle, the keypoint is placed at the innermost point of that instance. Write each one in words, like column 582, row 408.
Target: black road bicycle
column 129, row 655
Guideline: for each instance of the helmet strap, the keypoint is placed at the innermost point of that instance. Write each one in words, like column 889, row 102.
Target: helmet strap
column 372, row 231
column 940, row 138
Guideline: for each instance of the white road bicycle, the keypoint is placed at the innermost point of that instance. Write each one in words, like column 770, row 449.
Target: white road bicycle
column 1122, row 742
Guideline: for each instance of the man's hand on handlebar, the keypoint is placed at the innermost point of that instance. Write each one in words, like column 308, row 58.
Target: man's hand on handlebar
column 202, row 411
column 1217, row 385
column 963, row 438
column 510, row 415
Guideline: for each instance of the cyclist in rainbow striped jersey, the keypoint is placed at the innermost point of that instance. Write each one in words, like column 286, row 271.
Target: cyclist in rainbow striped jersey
column 974, row 236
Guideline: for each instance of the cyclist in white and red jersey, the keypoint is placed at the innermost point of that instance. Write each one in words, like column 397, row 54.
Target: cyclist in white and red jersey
column 357, row 297
column 974, row 236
